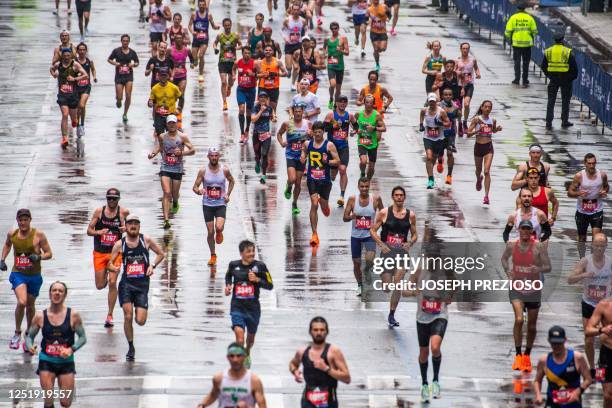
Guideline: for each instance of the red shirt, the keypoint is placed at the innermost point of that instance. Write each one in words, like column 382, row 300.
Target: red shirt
column 244, row 68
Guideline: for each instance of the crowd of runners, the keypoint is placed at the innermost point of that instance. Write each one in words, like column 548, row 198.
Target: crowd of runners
column 315, row 137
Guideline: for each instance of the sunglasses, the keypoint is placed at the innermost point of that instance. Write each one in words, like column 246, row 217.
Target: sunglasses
column 235, row 355
column 111, row 198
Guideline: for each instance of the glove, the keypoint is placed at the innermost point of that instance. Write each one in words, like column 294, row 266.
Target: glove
column 216, row 51
column 437, row 122
column 3, row 266
column 159, row 13
column 421, row 128
column 34, row 257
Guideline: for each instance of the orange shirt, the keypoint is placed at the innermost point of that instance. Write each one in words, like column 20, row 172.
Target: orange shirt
column 377, row 94
column 379, row 18
column 271, row 82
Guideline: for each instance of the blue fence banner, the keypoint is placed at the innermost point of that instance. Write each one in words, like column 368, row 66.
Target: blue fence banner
column 593, row 86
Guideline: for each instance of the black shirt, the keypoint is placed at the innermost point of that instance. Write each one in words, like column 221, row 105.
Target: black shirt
column 245, row 294
column 124, row 60
column 157, row 64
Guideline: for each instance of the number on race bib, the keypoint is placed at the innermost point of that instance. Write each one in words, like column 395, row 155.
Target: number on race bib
column 431, row 306
column 213, row 192
column 108, row 239
column 332, row 60
column 66, row 88
column 596, row 292
column 365, row 141
column 135, row 270
column 244, row 290
column 124, row 69
column 395, row 239
column 23, row 262
column 363, row 222
column 318, row 398
column 317, row 174
column 263, row 136
column 589, row 205
column 53, row 350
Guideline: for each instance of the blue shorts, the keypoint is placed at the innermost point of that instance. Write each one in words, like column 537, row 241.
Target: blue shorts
column 357, row 244
column 359, row 19
column 248, row 319
column 32, row 282
column 246, row 96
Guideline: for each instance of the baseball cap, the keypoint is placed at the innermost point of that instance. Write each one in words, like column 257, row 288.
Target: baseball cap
column 342, row 98
column 213, row 150
column 305, row 81
column 525, row 223
column 559, row 35
column 305, row 38
column 113, row 192
column 262, row 93
column 267, row 29
column 431, row 97
column 163, row 71
column 171, row 118
column 556, row 335
column 131, row 218
column 24, row 212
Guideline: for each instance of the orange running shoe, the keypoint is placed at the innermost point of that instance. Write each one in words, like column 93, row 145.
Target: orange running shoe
column 449, row 179
column 440, row 166
column 518, row 362
column 219, row 237
column 526, row 364
column 213, row 260
column 314, row 240
column 325, row 211
column 64, row 142
column 225, row 105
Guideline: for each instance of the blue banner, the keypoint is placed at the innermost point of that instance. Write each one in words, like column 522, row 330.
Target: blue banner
column 593, row 86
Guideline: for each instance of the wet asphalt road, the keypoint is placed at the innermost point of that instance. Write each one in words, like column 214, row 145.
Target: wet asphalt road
column 183, row 343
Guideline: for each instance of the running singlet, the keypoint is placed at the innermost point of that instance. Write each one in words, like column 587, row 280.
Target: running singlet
column 234, row 391
column 465, row 70
column 379, row 19
column 22, row 247
column 246, row 74
column 435, row 63
column 171, row 163
column 295, row 136
column 537, row 229
column 434, row 129
column 158, row 23
column 272, row 81
column 65, row 86
column 318, row 169
column 451, row 111
column 214, row 187
column 135, row 261
column 164, row 98
column 562, row 379
column 377, row 94
column 56, row 338
column 541, row 201
column 171, row 34
column 295, row 30
column 484, row 128
column 339, row 132
column 179, row 58
column 590, row 203
column 395, row 230
column 365, row 138
column 431, row 304
column 522, row 263
column 335, row 58
column 104, row 243
column 245, row 294
column 599, row 286
column 320, row 390
column 307, row 71
column 452, row 84
column 254, row 40
column 82, row 83
column 227, row 47
column 364, row 217
column 200, row 26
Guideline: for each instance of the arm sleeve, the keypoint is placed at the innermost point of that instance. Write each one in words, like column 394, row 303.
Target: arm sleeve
column 81, row 338
column 29, row 340
column 266, row 278
column 507, row 231
column 546, row 231
column 228, row 275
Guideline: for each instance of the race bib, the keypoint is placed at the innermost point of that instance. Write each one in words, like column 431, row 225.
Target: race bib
column 228, row 55
column 468, row 77
column 332, row 60
column 269, row 82
column 201, row 35
column 431, row 306
column 562, row 396
column 108, row 239
column 213, row 192
column 340, row 134
column 433, row 132
column 180, row 71
column 363, row 222
column 486, row 130
column 124, row 70
column 263, row 136
column 318, row 398
column 244, row 290
column 296, row 146
column 245, row 80
column 395, row 239
column 366, row 141
column 294, row 37
column 83, row 82
column 23, row 262
column 171, row 159
column 162, row 110
column 66, row 88
column 135, row 270
column 596, row 292
column 378, row 24
column 53, row 350
column 589, row 205
column 317, row 174
column 600, row 374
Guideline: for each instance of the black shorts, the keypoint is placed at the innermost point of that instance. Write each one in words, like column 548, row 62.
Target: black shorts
column 468, row 90
column 82, row 7
column 83, row 90
column 210, row 213
column 530, row 300
column 195, row 44
column 70, row 100
column 605, row 361
column 390, row 3
column 272, row 93
column 172, row 175
column 583, row 221
column 587, row 310
column 322, row 188
column 372, row 153
column 437, row 146
column 56, row 368
column 374, row 37
column 429, row 82
column 296, row 164
column 225, row 67
column 344, row 156
column 335, row 74
column 261, row 148
column 482, row 149
column 159, row 123
column 426, row 330
column 135, row 293
column 177, row 81
column 124, row 79
column 156, row 37
column 291, row 48
column 395, row 251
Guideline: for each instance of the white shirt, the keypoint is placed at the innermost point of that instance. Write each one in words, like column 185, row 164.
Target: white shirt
column 311, row 102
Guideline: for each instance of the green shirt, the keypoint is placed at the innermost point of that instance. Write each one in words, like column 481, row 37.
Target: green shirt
column 366, row 139
column 335, row 59
column 227, row 47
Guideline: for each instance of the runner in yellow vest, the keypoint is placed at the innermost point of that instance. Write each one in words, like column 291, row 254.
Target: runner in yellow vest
column 521, row 29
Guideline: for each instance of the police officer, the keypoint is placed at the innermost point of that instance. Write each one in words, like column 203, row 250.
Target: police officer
column 560, row 67
column 521, row 29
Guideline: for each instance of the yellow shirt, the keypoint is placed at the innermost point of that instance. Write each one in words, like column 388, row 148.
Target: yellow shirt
column 164, row 97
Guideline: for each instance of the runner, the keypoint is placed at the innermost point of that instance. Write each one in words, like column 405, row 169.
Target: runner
column 125, row 60
column 589, row 187
column 382, row 97
column 359, row 9
column 562, row 368
column 217, row 185
column 161, row 60
column 466, row 67
column 137, row 270
column 30, row 247
column 320, row 155
column 245, row 94
column 59, row 324
column 270, row 19
column 393, row 5
column 433, row 120
column 229, row 43
column 83, row 8
column 527, row 212
column 179, row 54
column 64, row 43
column 318, row 8
column 529, row 262
column 68, row 73
column 237, row 385
column 106, row 227
column 159, row 15
column 432, row 66
column 294, row 28
column 173, row 146
column 336, row 47
column 450, row 133
column 542, row 196
column 370, row 126
column 337, row 125
column 309, row 62
column 600, row 324
column 323, row 365
column 162, row 99
column 483, row 126
column 298, row 130
column 378, row 13
column 256, row 34
column 449, row 80
column 308, row 99
column 396, row 222
column 534, row 162
column 243, row 280
column 262, row 134
column 595, row 273
column 269, row 70
column 176, row 30
column 360, row 211
column 83, row 86
column 198, row 27
column 68, row 10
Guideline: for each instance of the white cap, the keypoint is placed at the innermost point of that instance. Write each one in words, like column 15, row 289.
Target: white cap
column 132, row 217
column 171, row 118
column 431, row 97
column 213, row 150
column 305, row 38
column 305, row 81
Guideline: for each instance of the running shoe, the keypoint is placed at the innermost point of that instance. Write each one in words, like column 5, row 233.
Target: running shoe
column 453, row 148
column 80, row 131
column 485, row 200
column 270, row 19
column 213, row 260
column 243, row 138
column 449, row 179
column 479, row 183
column 377, row 68
column 200, row 78
column 319, row 22
column 175, row 207
column 330, row 104
column 430, row 184
column 294, row 209
column 69, row 12
column 465, row 126
column 363, row 54
column 518, row 362
column 15, row 341
column 124, row 118
column 526, row 363
column 23, row 346
column 167, row 224
column 55, row 12
column 225, row 105
column 425, row 393
column 393, row 33
column 247, row 362
column 440, row 166
column 275, row 4
column 359, row 290
column 131, row 354
column 118, row 104
column 219, row 237
column 64, row 142
column 326, row 211
column 257, row 168
column 109, row 322
column 86, row 32
column 314, row 240
column 435, row 389
column 82, row 39
column 292, row 88
column 262, row 180
column 392, row 322
column 362, row 174
column 356, row 42
column 288, row 192
column 340, row 202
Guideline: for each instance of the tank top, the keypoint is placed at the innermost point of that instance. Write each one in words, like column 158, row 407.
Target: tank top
column 87, row 67
column 171, row 33
column 214, row 187
column 367, row 139
column 295, row 30
column 295, row 136
column 541, row 172
column 135, row 261
column 104, row 243
column 66, row 87
column 179, row 57
column 395, row 230
column 599, row 286
column 522, row 263
column 264, row 44
column 484, row 128
column 254, row 40
column 200, row 26
column 273, row 80
column 360, row 227
column 466, row 70
column 158, row 24
column 170, row 162
column 562, row 380
column 537, row 229
column 335, row 59
column 22, row 247
column 451, row 111
column 430, row 303
column 379, row 19
column 434, row 129
column 360, row 8
column 318, row 170
column 541, row 201
column 590, row 203
column 55, row 338
column 340, row 135
column 307, row 71
column 244, row 68
column 435, row 63
column 227, row 47
column 320, row 390
column 453, row 84
column 234, row 391
column 377, row 94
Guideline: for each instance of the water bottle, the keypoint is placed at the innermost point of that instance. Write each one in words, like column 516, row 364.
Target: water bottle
column 579, row 134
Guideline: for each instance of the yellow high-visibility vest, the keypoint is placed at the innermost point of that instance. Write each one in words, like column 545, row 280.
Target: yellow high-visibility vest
column 558, row 58
column 521, row 29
